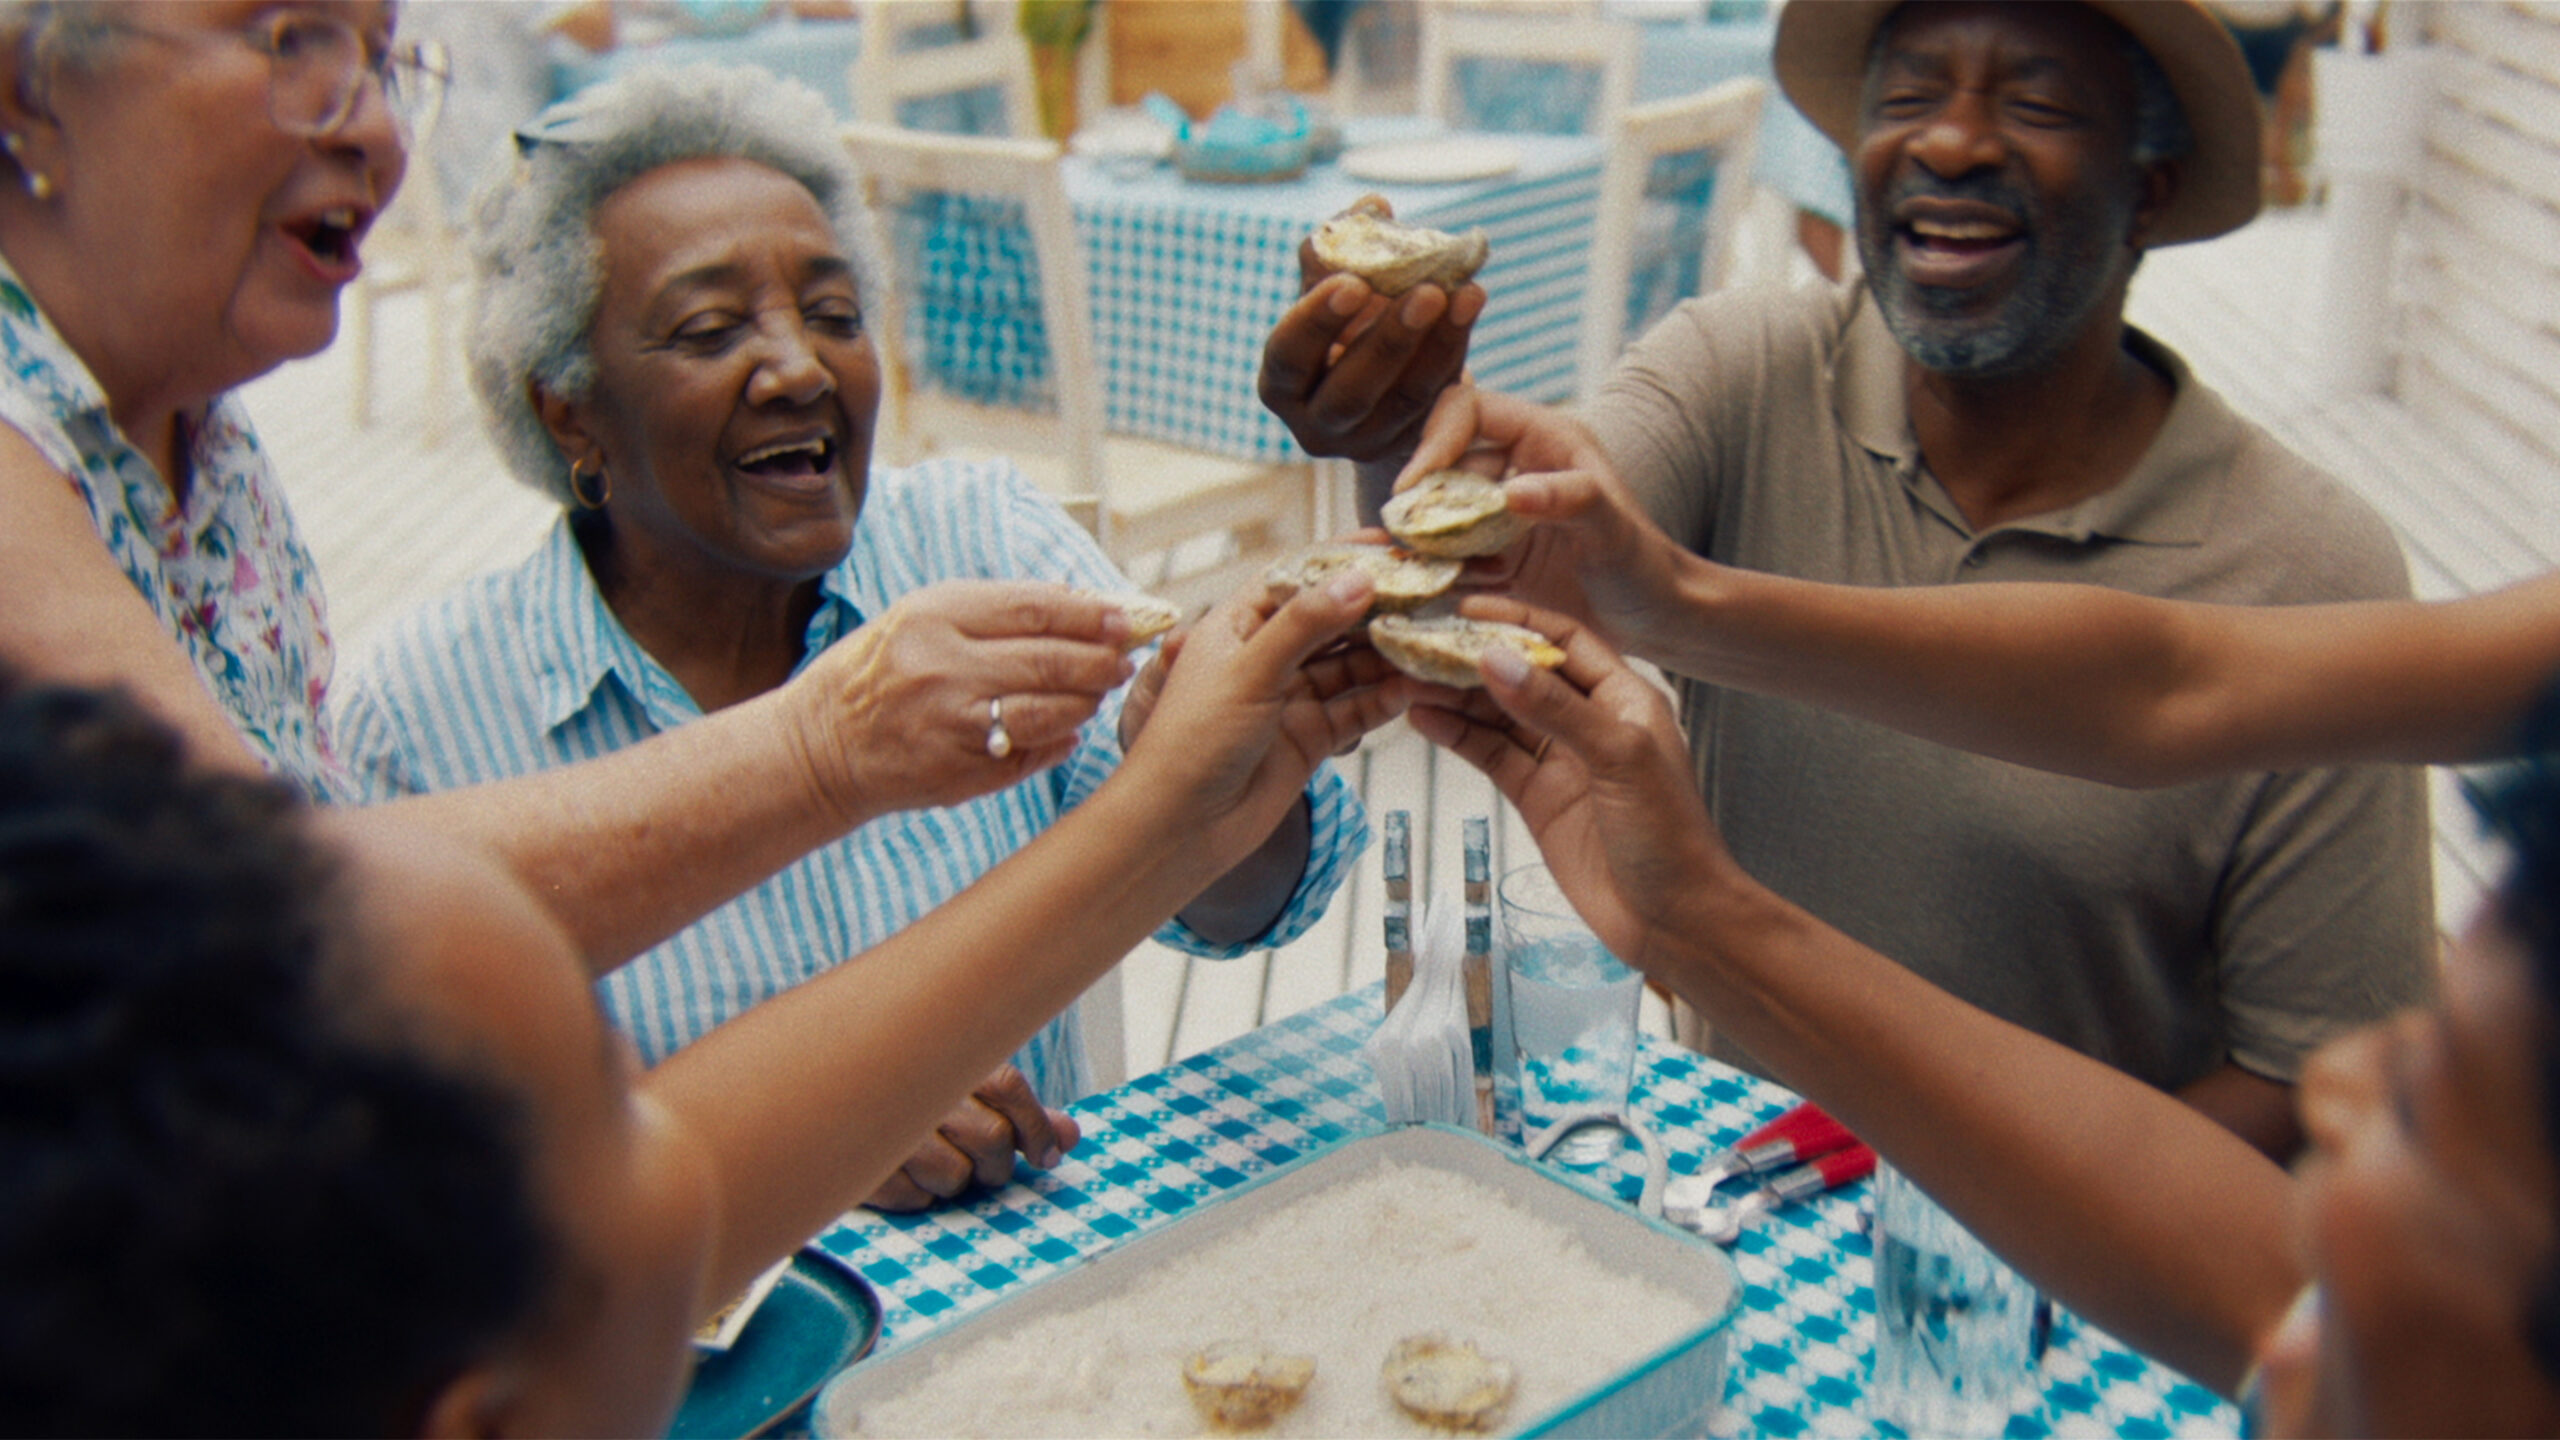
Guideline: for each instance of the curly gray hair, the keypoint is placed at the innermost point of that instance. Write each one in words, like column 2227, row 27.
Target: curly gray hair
column 533, row 245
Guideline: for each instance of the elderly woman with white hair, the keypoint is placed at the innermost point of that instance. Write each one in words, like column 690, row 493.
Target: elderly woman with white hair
column 184, row 190
column 669, row 341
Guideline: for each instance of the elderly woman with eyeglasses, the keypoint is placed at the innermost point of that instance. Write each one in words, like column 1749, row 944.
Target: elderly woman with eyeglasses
column 186, row 189
column 669, row 342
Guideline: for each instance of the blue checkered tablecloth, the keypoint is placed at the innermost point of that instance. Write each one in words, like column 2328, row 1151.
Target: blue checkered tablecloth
column 1168, row 1143
column 1186, row 280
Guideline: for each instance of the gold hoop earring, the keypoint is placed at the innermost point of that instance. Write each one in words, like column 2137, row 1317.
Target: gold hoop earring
column 577, row 492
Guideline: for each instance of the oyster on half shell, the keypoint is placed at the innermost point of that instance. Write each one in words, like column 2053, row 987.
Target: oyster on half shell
column 1443, row 649
column 1238, row 1386
column 1394, row 257
column 1400, row 579
column 1454, row 513
column 1448, row 1384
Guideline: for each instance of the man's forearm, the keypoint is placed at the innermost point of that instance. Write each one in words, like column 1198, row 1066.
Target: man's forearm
column 2094, row 1184
column 1249, row 899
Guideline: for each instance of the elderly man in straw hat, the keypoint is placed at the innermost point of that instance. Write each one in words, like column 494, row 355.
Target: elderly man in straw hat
column 1974, row 409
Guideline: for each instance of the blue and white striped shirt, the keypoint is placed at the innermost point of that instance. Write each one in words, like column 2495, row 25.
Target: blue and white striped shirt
column 528, row 669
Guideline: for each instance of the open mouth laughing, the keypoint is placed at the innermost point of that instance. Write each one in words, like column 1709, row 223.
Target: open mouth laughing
column 1955, row 244
column 800, row 461
column 330, row 237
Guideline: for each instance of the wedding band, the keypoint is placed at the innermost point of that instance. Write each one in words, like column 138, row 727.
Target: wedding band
column 999, row 740
column 1539, row 755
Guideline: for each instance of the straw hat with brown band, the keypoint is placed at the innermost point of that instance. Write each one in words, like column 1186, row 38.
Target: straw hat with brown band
column 1822, row 65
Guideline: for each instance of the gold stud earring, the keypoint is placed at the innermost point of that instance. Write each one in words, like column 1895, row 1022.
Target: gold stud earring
column 38, row 184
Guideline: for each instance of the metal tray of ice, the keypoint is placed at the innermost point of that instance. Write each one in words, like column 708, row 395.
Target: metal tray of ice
column 1097, row 1347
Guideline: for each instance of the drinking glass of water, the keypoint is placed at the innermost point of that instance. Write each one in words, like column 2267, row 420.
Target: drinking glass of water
column 1951, row 1320
column 1571, row 1015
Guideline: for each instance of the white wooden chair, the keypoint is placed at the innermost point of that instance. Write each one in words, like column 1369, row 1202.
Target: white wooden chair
column 1454, row 36
column 1190, row 526
column 413, row 246
column 893, row 69
column 1722, row 127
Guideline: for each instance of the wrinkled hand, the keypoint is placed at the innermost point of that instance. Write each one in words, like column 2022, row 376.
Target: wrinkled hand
column 976, row 1143
column 1353, row 373
column 1612, row 802
column 1594, row 554
column 898, row 710
column 1260, row 694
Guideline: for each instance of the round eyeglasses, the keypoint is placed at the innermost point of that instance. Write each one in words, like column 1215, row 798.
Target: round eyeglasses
column 316, row 69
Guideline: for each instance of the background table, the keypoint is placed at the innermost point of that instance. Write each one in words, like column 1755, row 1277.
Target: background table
column 1168, row 1143
column 1187, row 279
column 817, row 53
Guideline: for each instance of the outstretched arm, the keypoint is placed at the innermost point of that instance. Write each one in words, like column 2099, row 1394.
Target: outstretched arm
column 630, row 848
column 2133, row 1208
column 2129, row 689
column 2080, row 679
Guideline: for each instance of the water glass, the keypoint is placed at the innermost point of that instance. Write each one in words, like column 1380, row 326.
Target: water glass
column 1952, row 1321
column 1570, row 1013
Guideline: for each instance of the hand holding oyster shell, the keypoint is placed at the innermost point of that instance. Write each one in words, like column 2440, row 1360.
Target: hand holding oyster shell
column 1393, row 257
column 1453, row 513
column 1399, row 580
column 1443, row 649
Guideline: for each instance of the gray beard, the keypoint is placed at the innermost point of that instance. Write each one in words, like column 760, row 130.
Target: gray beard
column 2062, row 286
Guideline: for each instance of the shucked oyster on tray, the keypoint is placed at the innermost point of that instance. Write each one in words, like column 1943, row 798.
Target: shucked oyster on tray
column 1394, row 257
column 1240, row 1386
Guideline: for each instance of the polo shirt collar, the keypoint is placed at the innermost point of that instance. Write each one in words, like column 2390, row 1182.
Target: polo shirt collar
column 2162, row 502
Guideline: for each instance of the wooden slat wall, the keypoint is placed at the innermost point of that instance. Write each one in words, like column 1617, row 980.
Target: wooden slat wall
column 2480, row 358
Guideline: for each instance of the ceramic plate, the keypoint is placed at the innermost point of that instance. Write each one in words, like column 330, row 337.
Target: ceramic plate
column 820, row 1318
column 1432, row 162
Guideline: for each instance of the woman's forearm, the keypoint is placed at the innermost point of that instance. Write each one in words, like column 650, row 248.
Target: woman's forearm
column 2135, row 1210
column 2125, row 688
column 630, row 848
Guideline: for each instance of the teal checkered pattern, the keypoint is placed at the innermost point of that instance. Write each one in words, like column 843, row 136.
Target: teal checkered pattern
column 1166, row 1144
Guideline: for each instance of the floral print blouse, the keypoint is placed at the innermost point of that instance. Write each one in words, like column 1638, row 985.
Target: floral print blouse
column 227, row 574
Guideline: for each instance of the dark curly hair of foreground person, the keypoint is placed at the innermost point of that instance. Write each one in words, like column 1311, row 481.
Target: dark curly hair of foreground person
column 2520, row 805
column 221, row 1211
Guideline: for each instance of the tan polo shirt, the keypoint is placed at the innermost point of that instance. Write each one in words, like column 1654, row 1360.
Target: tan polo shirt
column 2159, row 930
